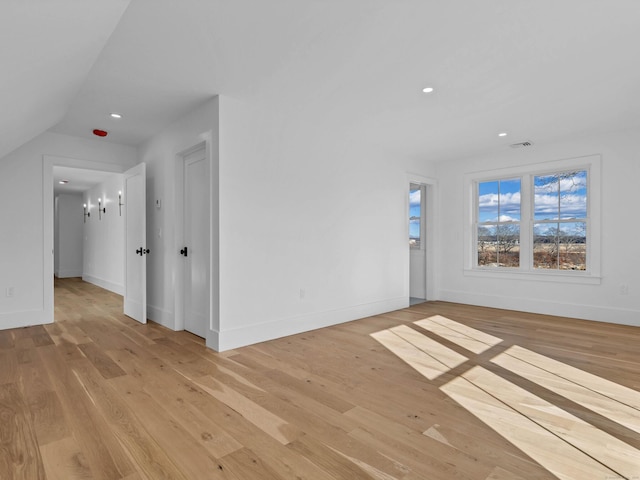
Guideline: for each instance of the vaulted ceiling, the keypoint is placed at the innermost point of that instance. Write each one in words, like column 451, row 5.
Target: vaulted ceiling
column 538, row 70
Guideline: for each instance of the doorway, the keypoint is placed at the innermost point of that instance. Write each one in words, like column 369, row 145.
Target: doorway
column 417, row 244
column 105, row 213
column 422, row 218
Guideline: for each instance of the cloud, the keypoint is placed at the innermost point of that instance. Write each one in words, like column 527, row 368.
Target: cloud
column 570, row 205
column 502, row 218
column 414, row 198
column 509, row 202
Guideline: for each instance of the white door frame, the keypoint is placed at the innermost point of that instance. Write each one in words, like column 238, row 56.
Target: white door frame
column 48, row 162
column 431, row 222
column 179, row 230
column 213, row 327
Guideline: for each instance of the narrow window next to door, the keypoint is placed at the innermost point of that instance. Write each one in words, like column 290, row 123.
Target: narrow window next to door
column 415, row 216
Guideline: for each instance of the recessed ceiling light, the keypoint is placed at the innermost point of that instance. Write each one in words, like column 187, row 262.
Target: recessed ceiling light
column 62, row 182
column 503, row 134
column 116, row 115
column 427, row 89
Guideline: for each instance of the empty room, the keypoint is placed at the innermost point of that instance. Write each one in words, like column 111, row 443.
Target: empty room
column 319, row 239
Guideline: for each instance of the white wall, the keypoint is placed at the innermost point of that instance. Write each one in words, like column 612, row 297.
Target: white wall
column 620, row 258
column 22, row 216
column 161, row 154
column 103, row 239
column 313, row 221
column 68, row 236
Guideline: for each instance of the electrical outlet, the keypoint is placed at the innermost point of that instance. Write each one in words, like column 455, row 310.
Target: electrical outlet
column 624, row 289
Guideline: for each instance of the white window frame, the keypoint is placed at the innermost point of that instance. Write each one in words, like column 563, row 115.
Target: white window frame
column 592, row 164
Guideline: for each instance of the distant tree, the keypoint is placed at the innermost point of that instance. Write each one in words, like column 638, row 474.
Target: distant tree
column 485, row 256
column 508, row 237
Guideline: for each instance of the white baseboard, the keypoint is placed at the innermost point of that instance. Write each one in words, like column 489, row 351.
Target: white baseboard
column 106, row 284
column 622, row 316
column 27, row 318
column 261, row 332
column 161, row 316
column 69, row 273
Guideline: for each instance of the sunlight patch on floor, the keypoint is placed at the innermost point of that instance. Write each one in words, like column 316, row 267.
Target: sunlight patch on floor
column 462, row 335
column 412, row 347
column 616, row 402
column 564, row 444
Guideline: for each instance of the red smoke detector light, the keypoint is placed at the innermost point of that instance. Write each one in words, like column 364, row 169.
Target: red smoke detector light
column 100, row 133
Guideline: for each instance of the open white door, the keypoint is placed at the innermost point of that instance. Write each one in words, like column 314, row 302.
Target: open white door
column 135, row 268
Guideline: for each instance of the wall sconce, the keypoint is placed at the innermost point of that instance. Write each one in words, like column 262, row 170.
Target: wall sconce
column 86, row 214
column 101, row 209
column 120, row 204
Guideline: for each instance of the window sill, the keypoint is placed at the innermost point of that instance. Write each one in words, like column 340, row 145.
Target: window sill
column 537, row 276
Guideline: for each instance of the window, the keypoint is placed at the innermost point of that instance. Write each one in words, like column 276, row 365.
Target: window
column 498, row 216
column 560, row 216
column 536, row 219
column 415, row 216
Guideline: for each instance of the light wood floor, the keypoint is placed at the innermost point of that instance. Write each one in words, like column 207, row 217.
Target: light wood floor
column 436, row 391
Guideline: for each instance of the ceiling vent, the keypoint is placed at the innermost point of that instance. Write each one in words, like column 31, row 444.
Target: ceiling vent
column 521, row 145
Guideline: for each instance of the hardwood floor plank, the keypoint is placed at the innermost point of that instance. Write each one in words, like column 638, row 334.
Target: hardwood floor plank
column 40, row 336
column 262, row 418
column 244, row 463
column 9, row 362
column 202, row 430
column 101, row 361
column 328, row 459
column 149, row 457
column 48, row 418
column 101, row 448
column 19, row 453
column 64, row 460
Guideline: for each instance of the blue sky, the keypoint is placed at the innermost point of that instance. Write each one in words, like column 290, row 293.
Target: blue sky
column 499, row 198
column 567, row 201
column 554, row 199
column 414, row 211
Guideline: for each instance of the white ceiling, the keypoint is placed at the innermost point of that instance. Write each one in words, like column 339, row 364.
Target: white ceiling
column 539, row 70
column 79, row 179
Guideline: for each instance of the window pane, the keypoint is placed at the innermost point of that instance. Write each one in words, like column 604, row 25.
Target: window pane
column 508, row 244
column 498, row 223
column 415, row 204
column 545, row 245
column 488, row 202
column 487, row 240
column 509, row 201
column 546, row 197
column 573, row 195
column 572, row 245
column 560, row 246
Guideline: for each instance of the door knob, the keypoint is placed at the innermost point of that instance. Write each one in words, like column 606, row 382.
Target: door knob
column 142, row 251
column 184, row 252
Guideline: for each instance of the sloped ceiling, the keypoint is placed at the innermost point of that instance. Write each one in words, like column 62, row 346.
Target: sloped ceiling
column 539, row 70
column 47, row 48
